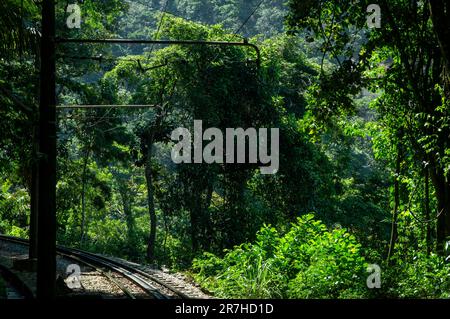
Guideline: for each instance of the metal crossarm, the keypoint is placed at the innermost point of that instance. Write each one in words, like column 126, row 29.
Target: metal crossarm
column 105, row 106
column 166, row 42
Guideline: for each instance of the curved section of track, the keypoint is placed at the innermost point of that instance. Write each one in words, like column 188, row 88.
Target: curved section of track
column 144, row 280
column 135, row 270
column 14, row 281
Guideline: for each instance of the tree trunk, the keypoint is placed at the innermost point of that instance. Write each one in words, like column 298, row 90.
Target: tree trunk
column 427, row 210
column 200, row 195
column 440, row 15
column 207, row 218
column 195, row 223
column 150, row 201
column 83, row 195
column 394, row 230
column 126, row 204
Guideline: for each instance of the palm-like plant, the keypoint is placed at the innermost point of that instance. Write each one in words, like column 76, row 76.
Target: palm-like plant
column 18, row 28
column 19, row 37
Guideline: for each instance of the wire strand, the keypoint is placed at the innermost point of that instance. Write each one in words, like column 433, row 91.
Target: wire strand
column 163, row 10
column 242, row 25
column 248, row 18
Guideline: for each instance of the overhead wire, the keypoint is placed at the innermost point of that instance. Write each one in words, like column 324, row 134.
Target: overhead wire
column 126, row 118
column 100, row 58
column 236, row 32
column 163, row 10
column 242, row 25
column 249, row 17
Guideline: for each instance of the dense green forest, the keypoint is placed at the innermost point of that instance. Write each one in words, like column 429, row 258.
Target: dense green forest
column 364, row 132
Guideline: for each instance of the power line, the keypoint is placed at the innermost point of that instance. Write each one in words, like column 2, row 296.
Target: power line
column 243, row 24
column 160, row 23
column 100, row 59
column 248, row 18
column 166, row 11
column 106, row 106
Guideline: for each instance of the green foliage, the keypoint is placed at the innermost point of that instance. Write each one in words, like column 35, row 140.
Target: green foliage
column 17, row 29
column 420, row 276
column 231, row 14
column 14, row 203
column 415, row 271
column 330, row 265
column 410, row 102
column 309, row 261
column 244, row 272
column 357, row 110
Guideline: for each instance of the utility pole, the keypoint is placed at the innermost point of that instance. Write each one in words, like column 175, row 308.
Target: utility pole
column 46, row 234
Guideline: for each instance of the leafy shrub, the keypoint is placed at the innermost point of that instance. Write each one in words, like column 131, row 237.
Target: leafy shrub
column 419, row 276
column 309, row 261
column 18, row 232
column 14, row 207
column 413, row 271
column 242, row 273
column 331, row 267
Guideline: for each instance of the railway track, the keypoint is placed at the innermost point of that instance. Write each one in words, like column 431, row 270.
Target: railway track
column 15, row 288
column 153, row 285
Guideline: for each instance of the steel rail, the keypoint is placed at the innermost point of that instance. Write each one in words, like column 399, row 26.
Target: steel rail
column 104, row 273
column 125, row 270
column 78, row 256
column 149, row 289
column 139, row 271
column 14, row 280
